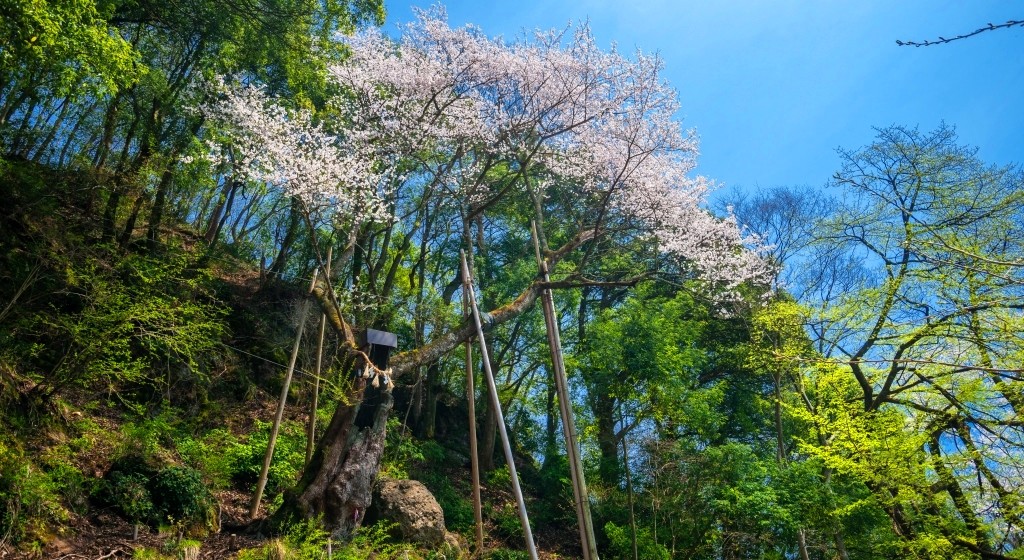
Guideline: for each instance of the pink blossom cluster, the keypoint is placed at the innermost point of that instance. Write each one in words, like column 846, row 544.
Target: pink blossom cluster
column 254, row 138
column 554, row 103
column 449, row 106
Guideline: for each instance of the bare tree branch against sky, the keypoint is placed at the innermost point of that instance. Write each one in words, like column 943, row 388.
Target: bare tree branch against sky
column 941, row 40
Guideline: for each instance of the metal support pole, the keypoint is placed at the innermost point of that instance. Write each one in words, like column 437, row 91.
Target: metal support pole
column 474, row 459
column 311, row 423
column 467, row 284
column 579, row 484
column 268, row 457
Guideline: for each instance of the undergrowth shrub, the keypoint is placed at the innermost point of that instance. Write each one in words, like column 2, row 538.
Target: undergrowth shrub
column 130, row 493
column 211, row 455
column 181, row 497
column 172, row 495
column 554, row 493
column 620, row 543
column 307, row 540
column 507, row 554
column 28, row 497
column 506, row 518
column 456, row 505
column 246, row 458
column 134, row 327
column 403, row 451
column 68, row 481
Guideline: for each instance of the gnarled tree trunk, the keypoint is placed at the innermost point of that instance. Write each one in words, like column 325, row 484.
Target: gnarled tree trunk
column 339, row 480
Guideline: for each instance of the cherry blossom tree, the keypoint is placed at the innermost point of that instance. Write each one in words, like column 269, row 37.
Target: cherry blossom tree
column 257, row 139
column 585, row 139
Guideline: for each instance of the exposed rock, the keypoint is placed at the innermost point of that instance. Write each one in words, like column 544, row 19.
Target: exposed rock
column 413, row 507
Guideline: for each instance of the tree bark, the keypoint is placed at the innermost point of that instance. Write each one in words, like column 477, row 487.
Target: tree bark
column 607, row 442
column 339, row 481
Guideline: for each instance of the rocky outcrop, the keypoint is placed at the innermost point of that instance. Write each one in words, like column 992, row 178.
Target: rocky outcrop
column 409, row 503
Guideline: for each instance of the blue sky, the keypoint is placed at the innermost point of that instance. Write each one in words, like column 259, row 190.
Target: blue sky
column 773, row 87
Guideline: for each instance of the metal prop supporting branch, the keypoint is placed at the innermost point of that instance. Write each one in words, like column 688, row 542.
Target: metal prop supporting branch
column 474, row 461
column 467, row 284
column 579, row 484
column 261, row 483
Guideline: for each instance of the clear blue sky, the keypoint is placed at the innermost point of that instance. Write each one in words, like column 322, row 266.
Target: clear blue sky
column 773, row 87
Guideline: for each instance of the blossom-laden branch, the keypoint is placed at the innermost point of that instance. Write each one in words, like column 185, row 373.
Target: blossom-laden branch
column 475, row 121
column 254, row 138
column 554, row 109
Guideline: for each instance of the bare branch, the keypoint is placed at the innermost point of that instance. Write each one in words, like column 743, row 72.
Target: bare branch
column 942, row 40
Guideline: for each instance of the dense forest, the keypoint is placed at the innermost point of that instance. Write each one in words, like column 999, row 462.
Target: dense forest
column 211, row 208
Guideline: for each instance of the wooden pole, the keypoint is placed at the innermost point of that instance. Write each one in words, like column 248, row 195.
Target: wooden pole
column 467, row 283
column 311, row 423
column 579, row 483
column 474, row 460
column 276, row 427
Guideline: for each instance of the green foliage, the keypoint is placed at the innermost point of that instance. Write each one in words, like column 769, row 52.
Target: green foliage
column 374, row 541
column 402, row 450
column 73, row 486
column 187, row 549
column 28, row 497
column 211, row 455
column 506, row 519
column 174, row 495
column 129, row 492
column 500, row 477
column 131, row 326
column 147, row 438
column 70, row 39
column 507, row 554
column 308, row 540
column 181, row 497
column 146, row 553
column 620, row 544
column 555, row 503
column 246, row 459
column 454, row 502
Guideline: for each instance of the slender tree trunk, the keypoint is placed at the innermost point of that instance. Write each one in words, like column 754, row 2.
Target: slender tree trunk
column 52, row 133
column 109, row 123
column 133, row 217
column 110, row 213
column 607, row 442
column 220, row 212
column 550, row 422
column 955, row 491
column 70, row 139
column 21, row 144
column 279, row 263
column 432, row 391
column 156, row 213
column 488, row 431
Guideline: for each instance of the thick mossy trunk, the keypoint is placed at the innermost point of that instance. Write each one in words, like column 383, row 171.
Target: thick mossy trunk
column 339, row 480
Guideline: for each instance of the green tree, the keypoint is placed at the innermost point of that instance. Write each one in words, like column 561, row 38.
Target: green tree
column 928, row 338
